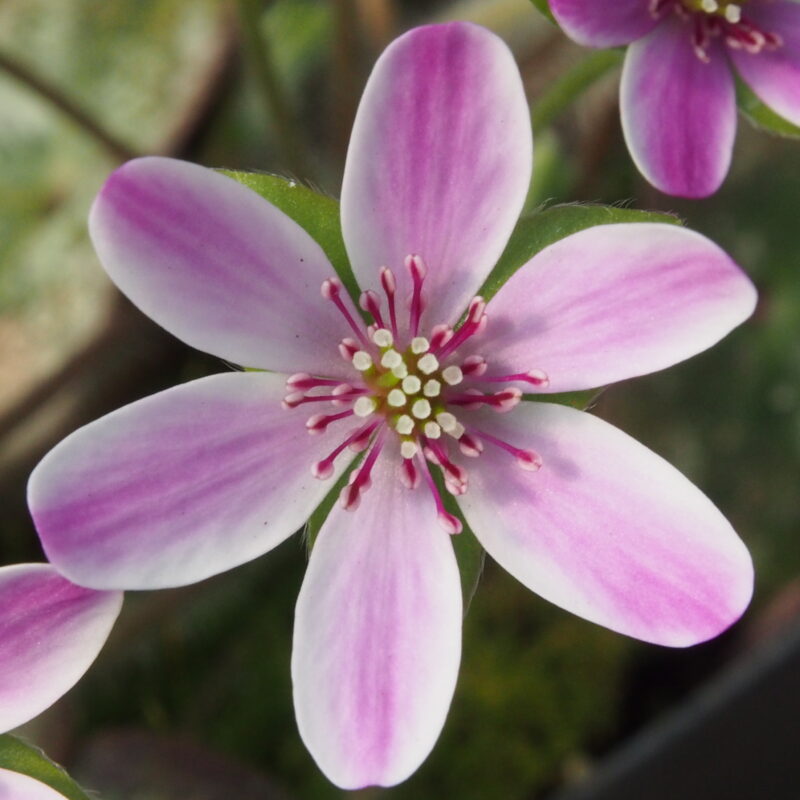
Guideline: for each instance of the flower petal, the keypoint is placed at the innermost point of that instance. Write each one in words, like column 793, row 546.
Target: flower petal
column 612, row 302
column 15, row 786
column 50, row 633
column 607, row 529
column 425, row 171
column 774, row 75
column 678, row 112
column 594, row 24
column 377, row 638
column 217, row 266
column 179, row 486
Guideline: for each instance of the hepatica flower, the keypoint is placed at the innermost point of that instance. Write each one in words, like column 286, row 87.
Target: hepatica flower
column 210, row 474
column 678, row 95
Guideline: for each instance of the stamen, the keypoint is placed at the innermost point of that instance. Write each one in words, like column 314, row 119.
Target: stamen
column 428, row 363
column 294, row 399
column 447, row 420
column 474, row 323
column 404, row 425
column 390, row 287
column 332, row 290
column 409, row 448
column 419, row 345
column 535, row 377
column 364, row 406
column 432, row 430
column 347, row 349
column 383, row 338
column 527, row 459
column 370, row 302
column 440, row 336
column 324, row 469
column 432, row 388
column 396, row 398
column 733, row 14
column 449, row 522
column 391, row 358
column 400, row 370
column 470, row 445
column 416, row 266
column 474, row 366
column 421, row 409
column 411, row 384
column 362, row 360
column 499, row 401
column 452, row 375
column 409, row 476
column 360, row 480
column 318, row 423
column 455, row 477
column 302, row 381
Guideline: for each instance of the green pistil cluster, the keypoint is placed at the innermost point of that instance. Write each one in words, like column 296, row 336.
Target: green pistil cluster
column 406, row 388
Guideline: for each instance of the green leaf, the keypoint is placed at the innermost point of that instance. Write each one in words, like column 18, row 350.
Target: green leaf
column 544, row 7
column 762, row 116
column 317, row 213
column 536, row 231
column 17, row 756
column 582, row 400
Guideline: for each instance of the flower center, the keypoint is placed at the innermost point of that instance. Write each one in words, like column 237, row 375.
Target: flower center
column 718, row 18
column 410, row 393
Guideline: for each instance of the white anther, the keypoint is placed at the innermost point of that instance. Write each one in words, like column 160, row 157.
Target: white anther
column 364, row 406
column 419, row 344
column 391, row 358
column 411, row 384
column 428, row 363
column 400, row 370
column 383, row 338
column 432, row 430
column 421, row 409
column 362, row 360
column 409, row 449
column 452, row 375
column 447, row 421
column 396, row 398
column 709, row 6
column 458, row 430
column 733, row 14
column 404, row 425
column 432, row 388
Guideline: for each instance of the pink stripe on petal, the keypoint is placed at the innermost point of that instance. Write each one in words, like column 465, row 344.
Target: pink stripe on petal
column 377, row 636
column 774, row 75
column 607, row 529
column 612, row 302
column 439, row 163
column 217, row 266
column 179, row 486
column 15, row 786
column 603, row 24
column 678, row 112
column 50, row 633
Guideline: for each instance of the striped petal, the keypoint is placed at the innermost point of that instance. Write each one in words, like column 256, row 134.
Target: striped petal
column 607, row 529
column 179, row 486
column 377, row 638
column 439, row 162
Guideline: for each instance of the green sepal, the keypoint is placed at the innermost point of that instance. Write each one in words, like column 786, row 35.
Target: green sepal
column 582, row 400
column 470, row 554
column 761, row 115
column 541, row 228
column 317, row 213
column 544, row 7
column 18, row 756
column 320, row 513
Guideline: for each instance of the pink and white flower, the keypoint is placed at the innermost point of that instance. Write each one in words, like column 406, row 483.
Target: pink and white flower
column 50, row 633
column 210, row 474
column 678, row 94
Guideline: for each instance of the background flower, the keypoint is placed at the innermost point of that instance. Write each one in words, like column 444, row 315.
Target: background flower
column 678, row 97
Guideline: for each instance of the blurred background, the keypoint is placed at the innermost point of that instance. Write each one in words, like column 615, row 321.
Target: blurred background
column 191, row 697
